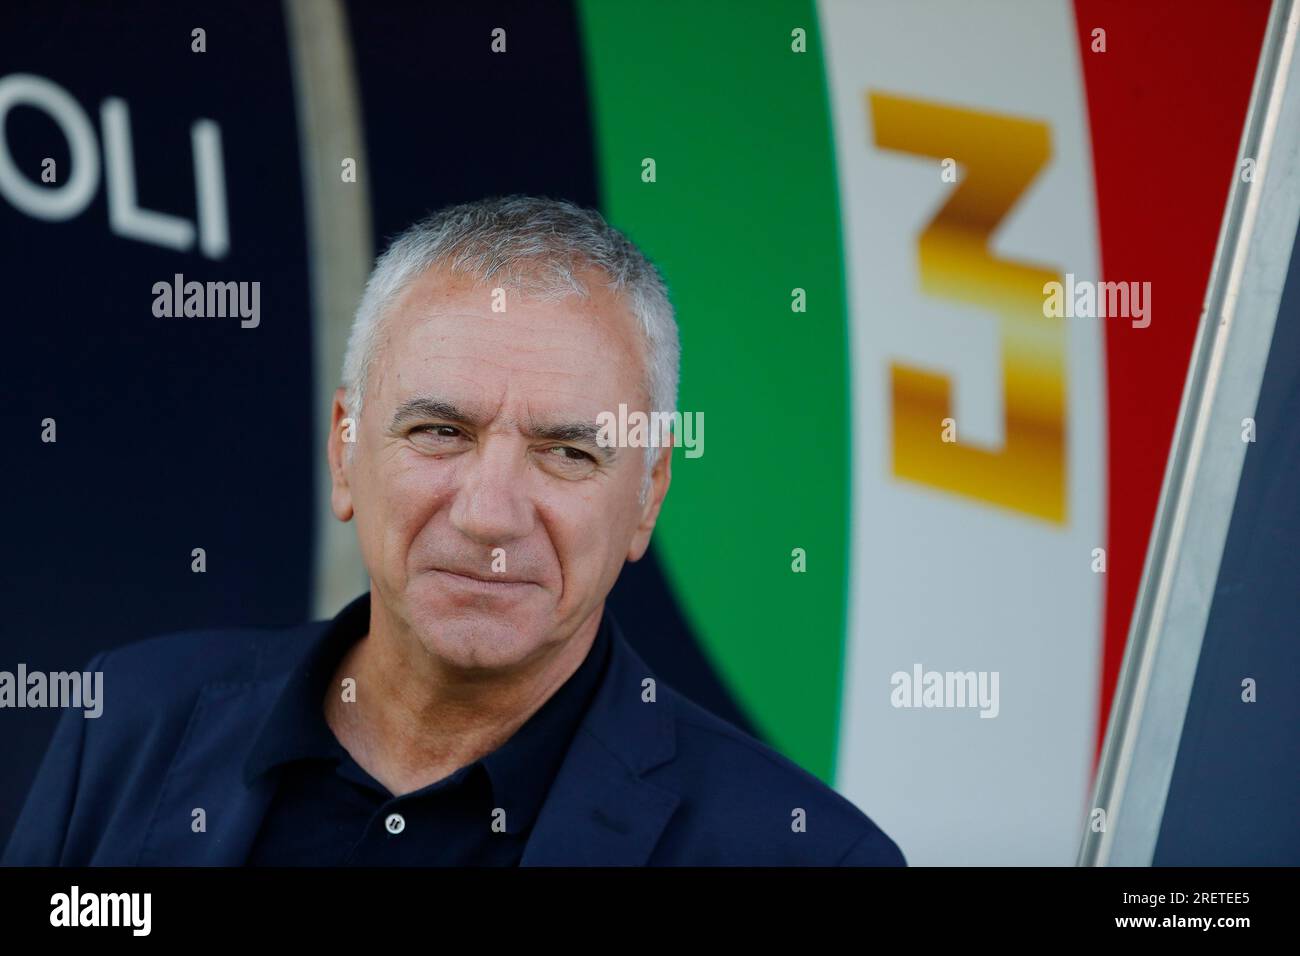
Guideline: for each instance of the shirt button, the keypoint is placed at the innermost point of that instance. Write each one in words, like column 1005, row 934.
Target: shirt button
column 395, row 824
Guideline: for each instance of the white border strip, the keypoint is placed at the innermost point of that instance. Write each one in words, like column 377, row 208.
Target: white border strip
column 340, row 249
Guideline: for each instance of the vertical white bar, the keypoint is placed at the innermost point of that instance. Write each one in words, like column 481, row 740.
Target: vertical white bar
column 940, row 580
column 340, row 249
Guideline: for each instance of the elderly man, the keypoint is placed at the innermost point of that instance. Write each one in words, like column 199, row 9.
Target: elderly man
column 478, row 706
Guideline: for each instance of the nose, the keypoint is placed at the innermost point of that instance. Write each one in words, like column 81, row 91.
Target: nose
column 491, row 505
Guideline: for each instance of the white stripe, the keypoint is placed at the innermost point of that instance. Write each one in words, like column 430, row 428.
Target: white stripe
column 340, row 250
column 944, row 581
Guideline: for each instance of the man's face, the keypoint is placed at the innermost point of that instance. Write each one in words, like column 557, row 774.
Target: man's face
column 491, row 522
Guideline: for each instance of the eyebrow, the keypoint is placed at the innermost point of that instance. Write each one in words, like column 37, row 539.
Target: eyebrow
column 416, row 408
column 578, row 433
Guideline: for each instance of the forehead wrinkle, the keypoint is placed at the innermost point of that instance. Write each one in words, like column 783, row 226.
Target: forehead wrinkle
column 432, row 406
column 506, row 367
column 611, row 331
column 462, row 343
column 597, row 350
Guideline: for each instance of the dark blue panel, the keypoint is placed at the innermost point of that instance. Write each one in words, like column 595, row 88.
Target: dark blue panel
column 173, row 434
column 447, row 120
column 1235, row 794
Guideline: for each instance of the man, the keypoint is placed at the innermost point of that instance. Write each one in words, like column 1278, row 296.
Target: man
column 477, row 706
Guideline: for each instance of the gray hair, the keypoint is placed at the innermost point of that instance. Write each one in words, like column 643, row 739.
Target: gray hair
column 535, row 245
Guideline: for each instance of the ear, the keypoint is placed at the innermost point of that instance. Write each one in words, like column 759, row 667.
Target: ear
column 661, row 476
column 342, row 431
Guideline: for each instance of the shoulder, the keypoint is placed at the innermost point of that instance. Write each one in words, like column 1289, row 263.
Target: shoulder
column 785, row 815
column 151, row 689
column 176, row 666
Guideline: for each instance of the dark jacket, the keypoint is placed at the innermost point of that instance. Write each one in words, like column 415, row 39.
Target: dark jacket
column 663, row 783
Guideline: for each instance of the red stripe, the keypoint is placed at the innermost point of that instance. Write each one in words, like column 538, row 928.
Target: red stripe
column 1166, row 107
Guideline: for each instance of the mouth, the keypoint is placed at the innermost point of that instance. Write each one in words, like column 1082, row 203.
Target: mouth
column 482, row 585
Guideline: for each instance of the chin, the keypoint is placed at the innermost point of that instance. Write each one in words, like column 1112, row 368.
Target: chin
column 476, row 633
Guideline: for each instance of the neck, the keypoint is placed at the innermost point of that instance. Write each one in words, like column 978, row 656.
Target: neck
column 418, row 718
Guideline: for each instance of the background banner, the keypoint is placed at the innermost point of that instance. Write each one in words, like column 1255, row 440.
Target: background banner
column 856, row 207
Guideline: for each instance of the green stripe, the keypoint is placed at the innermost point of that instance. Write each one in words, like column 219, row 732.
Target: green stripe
column 745, row 209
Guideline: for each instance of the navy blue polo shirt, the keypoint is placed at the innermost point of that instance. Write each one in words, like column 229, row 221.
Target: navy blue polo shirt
column 328, row 811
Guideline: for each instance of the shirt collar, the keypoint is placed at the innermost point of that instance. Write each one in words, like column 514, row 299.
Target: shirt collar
column 520, row 770
column 295, row 728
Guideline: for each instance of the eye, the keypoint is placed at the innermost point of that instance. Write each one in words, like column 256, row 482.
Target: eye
column 567, row 462
column 438, row 439
column 437, row 431
column 571, row 454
